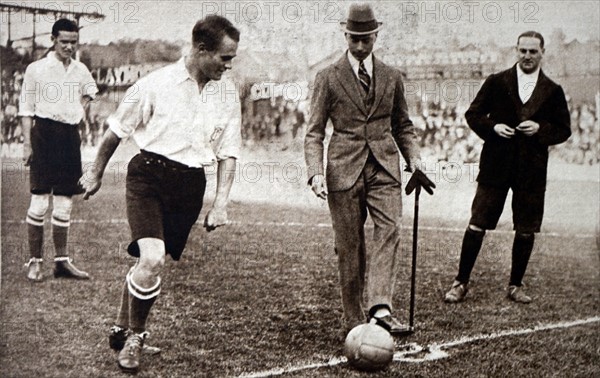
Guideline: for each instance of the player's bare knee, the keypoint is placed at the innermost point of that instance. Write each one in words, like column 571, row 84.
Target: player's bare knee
column 152, row 255
column 37, row 209
column 152, row 263
column 61, row 211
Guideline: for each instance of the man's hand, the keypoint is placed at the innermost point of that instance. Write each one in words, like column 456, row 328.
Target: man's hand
column 27, row 153
column 90, row 182
column 504, row 131
column 318, row 186
column 419, row 178
column 216, row 217
column 528, row 127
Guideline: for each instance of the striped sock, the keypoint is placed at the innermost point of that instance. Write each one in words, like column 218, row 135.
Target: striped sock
column 34, row 219
column 140, row 302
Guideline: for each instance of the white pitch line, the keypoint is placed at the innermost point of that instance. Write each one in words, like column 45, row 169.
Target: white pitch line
column 316, row 225
column 292, row 369
column 79, row 221
column 434, row 351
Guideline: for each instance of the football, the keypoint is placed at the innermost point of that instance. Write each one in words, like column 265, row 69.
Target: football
column 369, row 347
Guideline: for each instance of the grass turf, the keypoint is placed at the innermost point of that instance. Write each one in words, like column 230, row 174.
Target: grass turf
column 251, row 297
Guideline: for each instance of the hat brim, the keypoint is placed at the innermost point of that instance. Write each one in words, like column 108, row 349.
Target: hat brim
column 345, row 29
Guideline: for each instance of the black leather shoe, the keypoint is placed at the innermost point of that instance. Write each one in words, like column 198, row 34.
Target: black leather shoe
column 129, row 357
column 393, row 326
column 34, row 269
column 516, row 294
column 65, row 269
column 457, row 292
column 117, row 336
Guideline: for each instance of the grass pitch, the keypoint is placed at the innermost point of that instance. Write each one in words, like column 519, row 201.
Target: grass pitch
column 262, row 294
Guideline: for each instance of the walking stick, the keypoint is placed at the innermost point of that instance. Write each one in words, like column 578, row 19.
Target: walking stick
column 417, row 180
column 413, row 273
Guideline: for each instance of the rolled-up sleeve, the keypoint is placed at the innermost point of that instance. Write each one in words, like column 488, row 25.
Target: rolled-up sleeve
column 89, row 87
column 229, row 143
column 135, row 109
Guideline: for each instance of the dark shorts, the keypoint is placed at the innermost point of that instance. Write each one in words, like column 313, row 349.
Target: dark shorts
column 164, row 199
column 527, row 208
column 56, row 158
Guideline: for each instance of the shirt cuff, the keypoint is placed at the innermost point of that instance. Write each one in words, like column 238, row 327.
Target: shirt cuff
column 91, row 91
column 230, row 153
column 115, row 126
column 26, row 113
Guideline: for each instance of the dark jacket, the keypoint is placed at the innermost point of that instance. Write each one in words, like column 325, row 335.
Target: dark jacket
column 521, row 161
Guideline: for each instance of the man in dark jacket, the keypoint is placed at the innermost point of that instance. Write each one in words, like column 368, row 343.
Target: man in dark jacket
column 518, row 113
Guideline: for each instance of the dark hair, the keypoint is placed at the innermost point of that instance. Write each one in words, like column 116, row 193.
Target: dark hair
column 532, row 34
column 210, row 31
column 64, row 25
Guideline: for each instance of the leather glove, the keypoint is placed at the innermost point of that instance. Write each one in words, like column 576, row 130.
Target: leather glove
column 419, row 178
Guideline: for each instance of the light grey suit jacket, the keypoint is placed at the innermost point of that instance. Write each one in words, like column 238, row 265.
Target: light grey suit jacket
column 383, row 128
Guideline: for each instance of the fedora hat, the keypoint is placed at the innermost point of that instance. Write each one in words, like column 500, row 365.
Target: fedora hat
column 361, row 20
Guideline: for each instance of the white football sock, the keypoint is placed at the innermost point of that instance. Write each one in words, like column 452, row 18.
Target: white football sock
column 381, row 312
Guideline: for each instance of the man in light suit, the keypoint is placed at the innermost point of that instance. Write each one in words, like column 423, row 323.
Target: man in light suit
column 518, row 113
column 364, row 99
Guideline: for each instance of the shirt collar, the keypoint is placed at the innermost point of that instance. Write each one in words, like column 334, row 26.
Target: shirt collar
column 181, row 73
column 354, row 63
column 531, row 76
column 54, row 60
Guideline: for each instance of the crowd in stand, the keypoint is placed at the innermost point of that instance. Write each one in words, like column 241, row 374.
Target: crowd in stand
column 445, row 135
column 11, row 88
column 283, row 122
column 583, row 147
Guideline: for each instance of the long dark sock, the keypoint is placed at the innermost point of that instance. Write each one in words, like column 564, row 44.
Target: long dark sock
column 59, row 236
column 140, row 303
column 471, row 246
column 123, row 316
column 35, row 236
column 521, row 252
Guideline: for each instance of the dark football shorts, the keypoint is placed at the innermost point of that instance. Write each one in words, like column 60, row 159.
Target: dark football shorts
column 164, row 199
column 527, row 208
column 55, row 165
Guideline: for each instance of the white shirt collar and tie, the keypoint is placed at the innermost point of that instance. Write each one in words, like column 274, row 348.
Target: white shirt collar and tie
column 526, row 83
column 367, row 65
column 354, row 63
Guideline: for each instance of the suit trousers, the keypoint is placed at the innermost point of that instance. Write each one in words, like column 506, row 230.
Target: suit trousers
column 379, row 194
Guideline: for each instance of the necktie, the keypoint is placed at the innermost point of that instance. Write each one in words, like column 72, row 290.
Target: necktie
column 363, row 77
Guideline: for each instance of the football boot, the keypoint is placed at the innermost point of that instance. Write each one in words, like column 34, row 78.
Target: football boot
column 63, row 267
column 34, row 269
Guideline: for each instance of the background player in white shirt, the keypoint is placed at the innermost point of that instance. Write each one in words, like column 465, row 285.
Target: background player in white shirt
column 55, row 91
column 182, row 120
